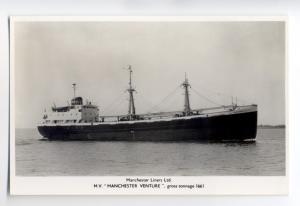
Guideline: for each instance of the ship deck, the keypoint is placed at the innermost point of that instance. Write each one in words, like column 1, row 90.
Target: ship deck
column 165, row 116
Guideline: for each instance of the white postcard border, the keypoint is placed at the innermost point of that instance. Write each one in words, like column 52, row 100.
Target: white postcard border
column 71, row 185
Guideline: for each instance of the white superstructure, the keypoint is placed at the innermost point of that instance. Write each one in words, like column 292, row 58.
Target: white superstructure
column 77, row 112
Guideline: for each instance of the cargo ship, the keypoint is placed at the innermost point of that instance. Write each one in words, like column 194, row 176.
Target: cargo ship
column 82, row 121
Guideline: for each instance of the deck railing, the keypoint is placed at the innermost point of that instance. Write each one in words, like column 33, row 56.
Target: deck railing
column 171, row 114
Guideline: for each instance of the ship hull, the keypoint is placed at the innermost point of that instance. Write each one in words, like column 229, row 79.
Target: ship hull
column 226, row 127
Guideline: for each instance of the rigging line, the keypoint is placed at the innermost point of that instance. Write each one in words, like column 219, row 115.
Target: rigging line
column 164, row 99
column 140, row 99
column 226, row 95
column 113, row 103
column 117, row 105
column 171, row 104
column 215, row 92
column 207, row 99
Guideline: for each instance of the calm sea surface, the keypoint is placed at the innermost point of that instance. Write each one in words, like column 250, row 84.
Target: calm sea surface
column 36, row 157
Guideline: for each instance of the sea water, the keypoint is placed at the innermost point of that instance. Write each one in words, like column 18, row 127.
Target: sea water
column 38, row 157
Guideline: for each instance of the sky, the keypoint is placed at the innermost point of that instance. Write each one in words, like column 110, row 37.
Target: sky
column 243, row 60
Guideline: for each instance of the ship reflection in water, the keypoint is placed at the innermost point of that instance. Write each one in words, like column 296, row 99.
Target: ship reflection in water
column 265, row 156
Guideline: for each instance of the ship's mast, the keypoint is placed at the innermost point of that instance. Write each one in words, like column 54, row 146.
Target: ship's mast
column 186, row 85
column 74, row 88
column 131, row 108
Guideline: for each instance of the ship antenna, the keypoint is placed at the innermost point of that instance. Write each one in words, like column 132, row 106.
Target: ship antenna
column 234, row 104
column 186, row 86
column 131, row 107
column 74, row 88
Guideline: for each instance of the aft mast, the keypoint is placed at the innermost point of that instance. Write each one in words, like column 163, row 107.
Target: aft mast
column 187, row 107
column 131, row 107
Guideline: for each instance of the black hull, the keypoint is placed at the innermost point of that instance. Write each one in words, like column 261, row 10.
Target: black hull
column 229, row 127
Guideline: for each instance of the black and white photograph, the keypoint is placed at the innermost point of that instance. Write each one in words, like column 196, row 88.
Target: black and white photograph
column 155, row 98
